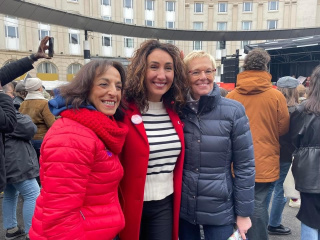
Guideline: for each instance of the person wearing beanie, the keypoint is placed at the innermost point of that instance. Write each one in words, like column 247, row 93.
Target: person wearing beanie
column 288, row 87
column 36, row 106
column 268, row 115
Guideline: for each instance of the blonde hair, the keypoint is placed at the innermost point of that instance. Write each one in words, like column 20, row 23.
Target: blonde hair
column 199, row 54
column 302, row 90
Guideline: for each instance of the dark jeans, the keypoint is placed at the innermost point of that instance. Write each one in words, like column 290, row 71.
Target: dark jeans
column 260, row 216
column 189, row 231
column 157, row 219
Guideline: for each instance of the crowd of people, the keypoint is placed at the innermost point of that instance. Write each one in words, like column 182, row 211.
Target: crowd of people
column 158, row 151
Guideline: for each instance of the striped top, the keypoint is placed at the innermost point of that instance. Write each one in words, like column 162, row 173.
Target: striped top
column 165, row 148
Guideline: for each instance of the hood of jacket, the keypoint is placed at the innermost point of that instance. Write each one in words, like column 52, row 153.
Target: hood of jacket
column 58, row 104
column 253, row 82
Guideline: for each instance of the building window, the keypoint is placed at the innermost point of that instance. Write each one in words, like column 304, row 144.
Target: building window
column 171, row 42
column 74, row 38
column 106, row 17
column 197, row 45
column 149, row 5
column 106, row 2
column 149, row 23
column 106, row 41
column 222, row 7
column 128, row 43
column 11, row 31
column 73, row 1
column 247, row 6
column 170, row 6
column 222, row 26
column 244, row 43
column 73, row 68
column 246, row 25
column 198, row 7
column 128, row 3
column 128, row 20
column 170, row 24
column 197, row 25
column 46, row 67
column 43, row 33
column 272, row 24
column 221, row 45
column 273, row 5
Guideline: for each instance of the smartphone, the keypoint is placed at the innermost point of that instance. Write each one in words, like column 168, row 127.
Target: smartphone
column 50, row 49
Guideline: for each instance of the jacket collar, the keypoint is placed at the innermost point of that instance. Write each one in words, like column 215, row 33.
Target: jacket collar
column 253, row 82
column 208, row 102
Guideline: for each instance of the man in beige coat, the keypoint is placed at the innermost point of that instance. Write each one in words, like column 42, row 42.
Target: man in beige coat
column 36, row 106
column 268, row 116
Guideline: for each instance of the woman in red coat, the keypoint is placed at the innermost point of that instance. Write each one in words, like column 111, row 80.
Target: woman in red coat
column 80, row 170
column 153, row 152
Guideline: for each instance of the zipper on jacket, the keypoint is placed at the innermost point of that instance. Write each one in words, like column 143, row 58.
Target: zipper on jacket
column 82, row 215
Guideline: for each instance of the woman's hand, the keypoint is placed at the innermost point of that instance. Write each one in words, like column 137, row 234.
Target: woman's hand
column 243, row 223
column 42, row 48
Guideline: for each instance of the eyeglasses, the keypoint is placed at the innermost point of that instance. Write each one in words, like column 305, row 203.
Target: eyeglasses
column 196, row 73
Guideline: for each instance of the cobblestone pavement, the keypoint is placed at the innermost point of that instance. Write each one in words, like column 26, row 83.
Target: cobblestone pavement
column 289, row 220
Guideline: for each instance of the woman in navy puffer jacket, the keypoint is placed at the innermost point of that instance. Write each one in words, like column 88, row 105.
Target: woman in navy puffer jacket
column 79, row 166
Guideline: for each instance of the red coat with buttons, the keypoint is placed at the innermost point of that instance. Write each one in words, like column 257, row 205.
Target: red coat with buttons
column 134, row 159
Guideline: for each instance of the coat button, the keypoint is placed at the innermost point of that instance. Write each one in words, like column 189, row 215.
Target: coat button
column 197, row 169
column 178, row 122
column 199, row 140
column 194, row 196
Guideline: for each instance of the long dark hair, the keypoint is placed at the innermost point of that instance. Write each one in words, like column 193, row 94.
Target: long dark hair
column 77, row 92
column 312, row 104
column 135, row 88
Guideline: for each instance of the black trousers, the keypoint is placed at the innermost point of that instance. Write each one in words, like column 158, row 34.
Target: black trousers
column 157, row 219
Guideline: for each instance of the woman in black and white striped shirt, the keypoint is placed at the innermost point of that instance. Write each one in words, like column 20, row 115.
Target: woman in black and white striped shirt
column 153, row 153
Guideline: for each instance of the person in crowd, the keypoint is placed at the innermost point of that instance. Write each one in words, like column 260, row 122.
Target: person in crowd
column 223, row 92
column 152, row 156
column 302, row 91
column 80, row 169
column 304, row 130
column 216, row 129
column 21, row 93
column 288, row 87
column 268, row 116
column 7, row 113
column 36, row 106
column 21, row 170
column 9, row 89
column 8, row 122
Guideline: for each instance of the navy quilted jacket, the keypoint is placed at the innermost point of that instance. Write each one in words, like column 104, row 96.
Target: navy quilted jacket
column 217, row 136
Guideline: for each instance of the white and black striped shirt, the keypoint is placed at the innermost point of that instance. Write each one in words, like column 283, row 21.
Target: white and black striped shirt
column 165, row 148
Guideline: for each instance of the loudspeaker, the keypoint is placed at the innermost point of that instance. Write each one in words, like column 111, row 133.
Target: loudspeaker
column 230, row 70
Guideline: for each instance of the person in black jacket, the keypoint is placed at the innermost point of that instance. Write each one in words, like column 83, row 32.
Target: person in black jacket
column 304, row 130
column 7, row 124
column 7, row 113
column 217, row 136
column 288, row 87
column 22, row 168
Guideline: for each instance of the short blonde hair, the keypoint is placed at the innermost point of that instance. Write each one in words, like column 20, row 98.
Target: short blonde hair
column 301, row 90
column 199, row 54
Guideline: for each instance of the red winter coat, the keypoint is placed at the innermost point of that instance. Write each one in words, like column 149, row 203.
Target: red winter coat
column 134, row 158
column 80, row 173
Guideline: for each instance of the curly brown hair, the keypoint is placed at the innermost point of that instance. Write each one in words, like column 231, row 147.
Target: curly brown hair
column 135, row 87
column 76, row 93
column 257, row 59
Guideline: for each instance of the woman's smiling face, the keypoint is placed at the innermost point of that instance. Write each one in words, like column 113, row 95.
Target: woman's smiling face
column 105, row 94
column 159, row 75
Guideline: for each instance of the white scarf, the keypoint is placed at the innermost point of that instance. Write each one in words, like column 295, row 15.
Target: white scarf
column 35, row 95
